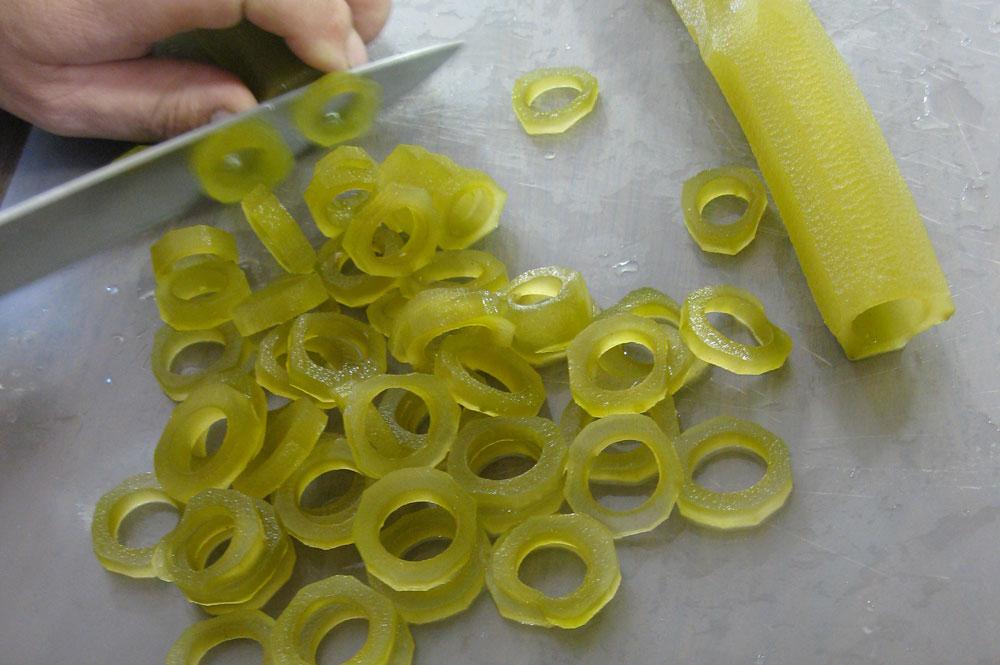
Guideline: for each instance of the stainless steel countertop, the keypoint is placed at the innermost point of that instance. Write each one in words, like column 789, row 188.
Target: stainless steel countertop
column 887, row 551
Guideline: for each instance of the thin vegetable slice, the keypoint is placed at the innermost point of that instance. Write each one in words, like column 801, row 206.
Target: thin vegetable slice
column 580, row 534
column 109, row 514
column 201, row 637
column 279, row 302
column 169, row 344
column 744, row 508
column 712, row 346
column 320, row 607
column 595, row 439
column 484, row 441
column 849, row 213
column 419, row 607
column 533, row 85
column 201, row 295
column 270, row 368
column 278, row 231
column 231, row 162
column 584, row 356
column 329, row 525
column 476, row 270
column 384, row 311
column 356, row 288
column 378, row 455
column 200, row 240
column 465, row 356
column 292, row 432
column 699, row 191
column 343, row 182
column 548, row 307
column 402, row 209
column 402, row 488
column 357, row 101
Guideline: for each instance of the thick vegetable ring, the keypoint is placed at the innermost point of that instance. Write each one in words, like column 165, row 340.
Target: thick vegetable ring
column 733, row 510
column 178, row 244
column 181, row 470
column 581, row 534
column 393, row 427
column 418, row 607
column 533, row 85
column 684, row 366
column 348, row 285
column 321, row 606
column 706, row 342
column 230, row 162
column 343, row 181
column 270, row 368
column 462, row 358
column 329, row 525
column 279, row 302
column 709, row 185
column 402, row 488
column 376, row 451
column 326, row 126
column 434, row 312
column 168, row 344
column 634, row 466
column 548, row 307
column 353, row 352
column 201, row 295
column 402, row 209
column 595, row 439
column 482, row 442
column 292, row 432
column 476, row 270
column 111, row 511
column 278, row 231
column 200, row 638
column 584, row 356
column 384, row 311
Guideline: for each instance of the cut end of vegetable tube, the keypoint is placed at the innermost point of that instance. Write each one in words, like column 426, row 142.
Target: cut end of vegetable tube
column 533, row 85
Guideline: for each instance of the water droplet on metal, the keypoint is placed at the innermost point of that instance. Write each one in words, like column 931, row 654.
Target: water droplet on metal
column 112, row 289
column 108, row 380
column 118, row 339
column 550, row 155
column 626, row 267
column 146, row 295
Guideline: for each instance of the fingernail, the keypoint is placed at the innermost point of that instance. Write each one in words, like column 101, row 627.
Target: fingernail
column 357, row 54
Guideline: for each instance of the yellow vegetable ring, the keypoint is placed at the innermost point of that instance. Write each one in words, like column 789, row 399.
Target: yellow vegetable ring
column 201, row 295
column 292, row 432
column 473, row 211
column 200, row 240
column 355, row 288
column 584, row 356
column 384, row 311
column 230, row 162
column 733, row 510
column 548, row 307
column 465, row 354
column 592, row 441
column 706, row 342
column 271, row 373
column 279, row 302
column 111, row 511
column 321, row 606
column 419, row 607
column 378, row 452
column 168, row 344
column 484, row 441
column 327, row 526
column 401, row 488
column 531, row 86
column 343, row 181
column 278, row 231
column 402, row 209
column 326, row 127
column 200, row 638
column 580, row 534
column 707, row 186
column 181, row 471
column 480, row 270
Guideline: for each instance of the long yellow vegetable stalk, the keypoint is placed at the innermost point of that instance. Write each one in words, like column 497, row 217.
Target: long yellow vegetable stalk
column 850, row 216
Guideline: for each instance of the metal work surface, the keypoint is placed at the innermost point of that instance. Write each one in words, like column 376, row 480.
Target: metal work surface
column 887, row 551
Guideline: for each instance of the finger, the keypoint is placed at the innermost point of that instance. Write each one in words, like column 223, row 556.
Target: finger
column 317, row 33
column 369, row 17
column 139, row 100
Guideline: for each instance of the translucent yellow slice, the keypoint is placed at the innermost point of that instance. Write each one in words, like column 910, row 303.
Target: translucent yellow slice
column 457, row 269
column 343, row 181
column 744, row 508
column 279, row 302
column 201, row 637
column 709, row 185
column 201, row 295
column 337, row 108
column 384, row 311
column 712, row 346
column 278, row 231
column 178, row 244
column 231, row 162
column 270, row 367
column 348, row 285
column 533, row 85
column 169, row 344
column 548, row 308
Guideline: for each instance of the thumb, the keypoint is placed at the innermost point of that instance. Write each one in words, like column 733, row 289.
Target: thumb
column 139, row 100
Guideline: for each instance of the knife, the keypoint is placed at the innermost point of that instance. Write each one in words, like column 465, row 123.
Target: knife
column 143, row 190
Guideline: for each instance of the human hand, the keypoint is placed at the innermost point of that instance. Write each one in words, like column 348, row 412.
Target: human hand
column 80, row 67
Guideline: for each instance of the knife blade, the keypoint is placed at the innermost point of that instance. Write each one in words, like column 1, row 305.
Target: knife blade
column 138, row 192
